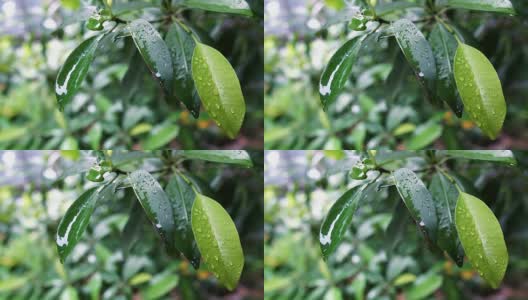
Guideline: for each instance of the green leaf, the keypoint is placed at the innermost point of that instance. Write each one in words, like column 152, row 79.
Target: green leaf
column 424, row 135
column 424, row 286
column 71, row 4
column 500, row 6
column 74, row 222
column 69, row 293
column 499, row 156
column 132, row 230
column 181, row 46
column 482, row 238
column 218, row 240
column 161, row 136
column 338, row 219
column 74, row 70
column 12, row 133
column 480, row 89
column 445, row 195
column 417, row 51
column 181, row 196
column 237, row 157
column 160, row 285
column 337, row 71
column 12, row 283
column 418, row 200
column 154, row 52
column 218, row 87
column 156, row 204
column 444, row 46
column 240, row 7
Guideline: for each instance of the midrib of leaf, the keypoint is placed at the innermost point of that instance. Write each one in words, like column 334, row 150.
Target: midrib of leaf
column 215, row 233
column 446, row 200
column 473, row 74
column 478, row 232
column 444, row 44
column 183, row 51
column 214, row 79
column 184, row 204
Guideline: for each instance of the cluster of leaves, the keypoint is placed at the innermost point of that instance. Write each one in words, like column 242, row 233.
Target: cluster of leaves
column 449, row 70
column 377, row 253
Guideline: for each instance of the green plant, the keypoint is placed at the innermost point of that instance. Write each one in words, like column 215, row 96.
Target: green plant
column 449, row 70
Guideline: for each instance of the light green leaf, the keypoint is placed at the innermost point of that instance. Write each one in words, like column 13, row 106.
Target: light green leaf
column 154, row 51
column 480, row 89
column 218, row 87
column 155, row 203
column 424, row 286
column 424, row 135
column 74, row 70
column 181, row 46
column 499, row 156
column 69, row 293
column 240, row 7
column 337, row 71
column 500, row 6
column 12, row 133
column 218, row 240
column 418, row 200
column 482, row 238
column 12, row 283
column 181, row 196
column 237, row 157
column 140, row 278
column 160, row 136
column 160, row 285
column 71, row 4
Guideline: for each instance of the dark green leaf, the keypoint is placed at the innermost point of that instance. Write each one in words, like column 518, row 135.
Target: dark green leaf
column 499, row 156
column 417, row 51
column 156, row 204
column 218, row 87
column 480, row 89
column 338, row 219
column 445, row 195
column 482, row 238
column 418, row 200
column 444, row 47
column 500, row 6
column 237, row 157
column 154, row 52
column 181, row 196
column 132, row 230
column 337, row 71
column 396, row 228
column 218, row 240
column 240, row 7
column 181, row 46
column 74, row 70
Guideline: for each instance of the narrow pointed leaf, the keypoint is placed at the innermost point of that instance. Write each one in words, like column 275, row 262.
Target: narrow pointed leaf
column 181, row 46
column 154, row 52
column 337, row 71
column 444, row 47
column 499, row 156
column 418, row 53
column 482, row 238
column 480, row 89
column 500, row 6
column 237, row 157
column 74, row 70
column 218, row 240
column 218, row 87
column 418, row 200
column 240, row 7
column 338, row 219
column 155, row 203
column 445, row 195
column 181, row 196
column 74, row 223
column 132, row 229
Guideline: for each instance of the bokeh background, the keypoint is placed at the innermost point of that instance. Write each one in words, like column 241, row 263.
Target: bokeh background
column 376, row 110
column 301, row 186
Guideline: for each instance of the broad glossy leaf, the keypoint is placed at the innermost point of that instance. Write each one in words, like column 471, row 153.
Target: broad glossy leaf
column 218, row 87
column 337, row 71
column 156, row 204
column 237, row 157
column 154, row 51
column 444, row 46
column 338, row 219
column 499, row 156
column 424, row 135
column 482, row 238
column 500, row 6
column 417, row 51
column 418, row 200
column 74, row 70
column 240, row 7
column 160, row 136
column 218, row 240
column 480, row 89
column 74, row 222
column 181, row 46
column 181, row 196
column 445, row 195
